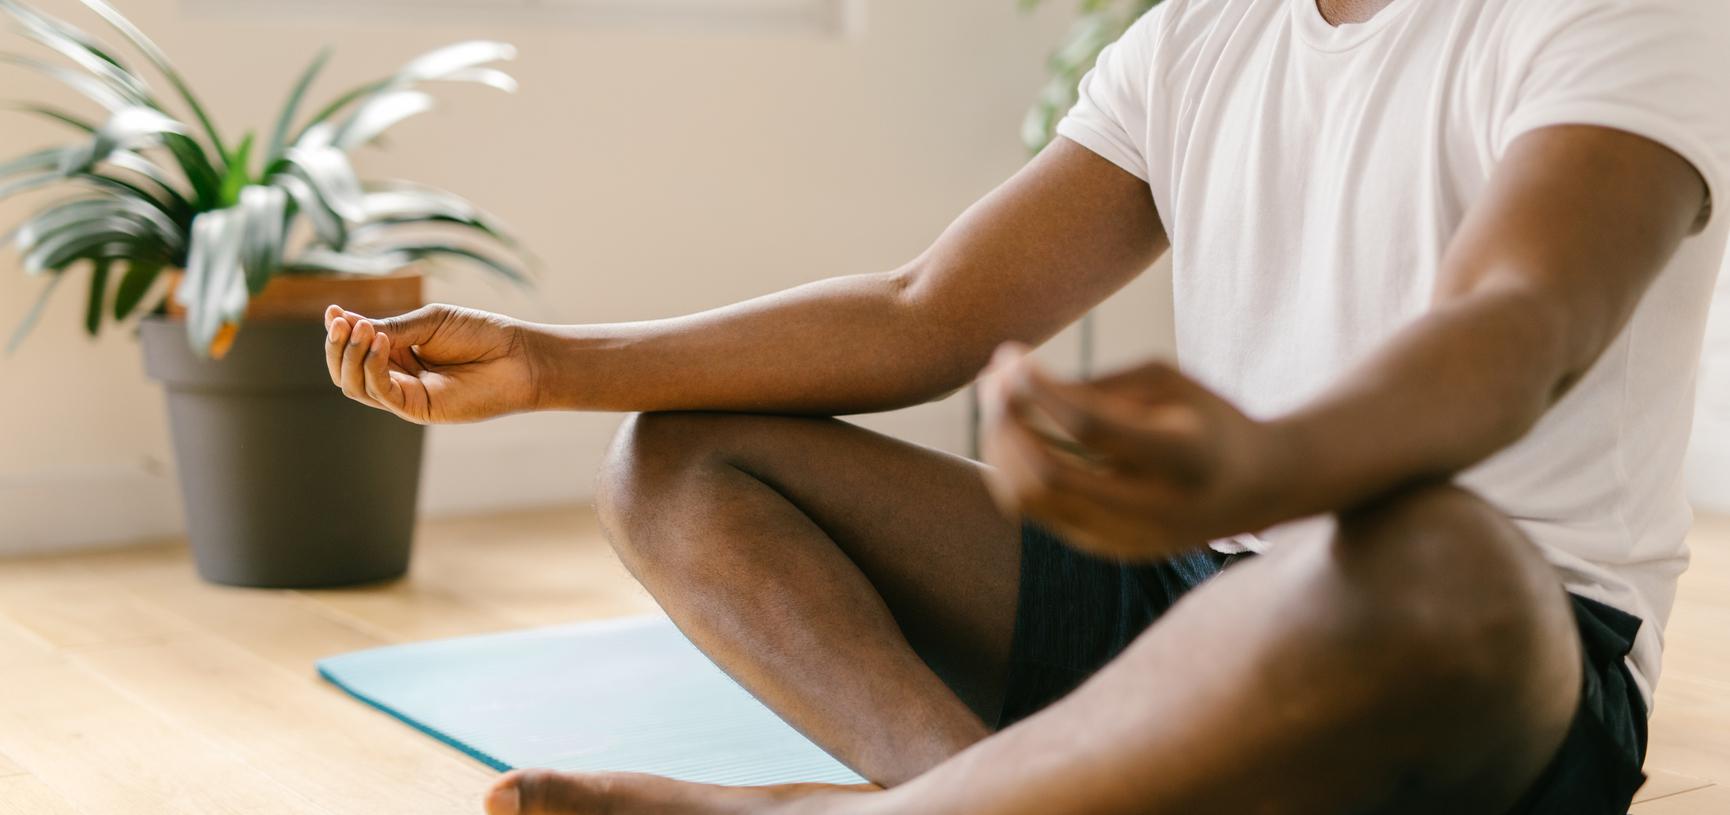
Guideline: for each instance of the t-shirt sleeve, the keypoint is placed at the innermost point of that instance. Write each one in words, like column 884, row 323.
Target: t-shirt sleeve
column 1659, row 69
column 1110, row 116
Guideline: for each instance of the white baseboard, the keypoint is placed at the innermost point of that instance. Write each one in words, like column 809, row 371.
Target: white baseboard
column 521, row 462
column 61, row 509
column 516, row 463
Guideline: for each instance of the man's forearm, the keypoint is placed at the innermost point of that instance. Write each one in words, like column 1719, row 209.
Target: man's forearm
column 1028, row 259
column 845, row 345
column 1531, row 292
column 1459, row 384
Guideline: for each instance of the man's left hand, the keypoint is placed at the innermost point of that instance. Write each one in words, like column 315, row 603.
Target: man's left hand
column 1141, row 464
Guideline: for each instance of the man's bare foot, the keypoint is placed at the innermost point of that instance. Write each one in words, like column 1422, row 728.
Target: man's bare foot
column 546, row 792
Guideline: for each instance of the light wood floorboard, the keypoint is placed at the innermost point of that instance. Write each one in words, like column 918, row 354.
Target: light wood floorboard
column 131, row 688
column 24, row 795
column 8, row 769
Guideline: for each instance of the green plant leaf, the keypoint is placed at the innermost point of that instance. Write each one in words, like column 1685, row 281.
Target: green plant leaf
column 1087, row 38
column 1098, row 24
column 31, row 183
column 151, row 52
column 46, row 159
column 237, row 177
column 94, row 215
column 336, row 106
column 57, row 115
column 127, row 129
column 115, row 187
column 140, row 276
column 65, row 247
column 379, row 230
column 102, row 183
column 490, row 77
column 422, row 251
column 262, row 210
column 442, row 63
column 379, row 114
column 452, row 63
column 176, row 204
column 32, row 17
column 85, row 55
column 202, row 176
column 326, row 224
column 318, row 259
column 400, row 202
column 328, row 171
column 214, row 288
column 284, row 121
column 34, row 314
column 98, row 293
column 90, row 87
column 30, row 233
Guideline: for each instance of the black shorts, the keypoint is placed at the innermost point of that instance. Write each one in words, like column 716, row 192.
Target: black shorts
column 1077, row 612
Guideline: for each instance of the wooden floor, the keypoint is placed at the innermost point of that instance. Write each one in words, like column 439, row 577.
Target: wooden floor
column 128, row 687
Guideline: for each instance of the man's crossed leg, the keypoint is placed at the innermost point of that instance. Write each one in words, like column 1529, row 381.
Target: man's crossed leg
column 1422, row 660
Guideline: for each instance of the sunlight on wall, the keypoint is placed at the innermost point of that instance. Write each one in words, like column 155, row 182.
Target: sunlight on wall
column 656, row 171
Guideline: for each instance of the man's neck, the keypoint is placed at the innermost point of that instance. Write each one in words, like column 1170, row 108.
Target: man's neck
column 1342, row 12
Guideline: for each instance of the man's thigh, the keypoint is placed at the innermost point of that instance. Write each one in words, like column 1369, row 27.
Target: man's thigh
column 917, row 522
column 1421, row 658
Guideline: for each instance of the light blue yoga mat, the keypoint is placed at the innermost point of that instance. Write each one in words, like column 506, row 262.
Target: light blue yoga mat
column 631, row 695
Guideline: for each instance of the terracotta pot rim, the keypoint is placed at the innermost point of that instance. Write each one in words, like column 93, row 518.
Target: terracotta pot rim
column 297, row 297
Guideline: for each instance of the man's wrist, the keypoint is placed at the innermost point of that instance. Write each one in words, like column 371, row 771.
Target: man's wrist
column 541, row 357
column 1284, row 474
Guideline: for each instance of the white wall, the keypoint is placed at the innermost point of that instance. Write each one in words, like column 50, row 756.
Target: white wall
column 656, row 171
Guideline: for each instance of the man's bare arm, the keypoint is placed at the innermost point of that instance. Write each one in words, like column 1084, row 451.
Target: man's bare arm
column 1538, row 281
column 1028, row 259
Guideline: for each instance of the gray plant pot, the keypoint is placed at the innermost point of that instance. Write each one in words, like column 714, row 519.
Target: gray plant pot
column 286, row 483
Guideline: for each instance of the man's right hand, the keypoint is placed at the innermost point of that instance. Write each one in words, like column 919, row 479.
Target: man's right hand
column 435, row 365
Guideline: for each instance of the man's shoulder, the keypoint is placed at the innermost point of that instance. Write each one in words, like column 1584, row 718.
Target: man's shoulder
column 1537, row 16
column 1175, row 35
column 1192, row 18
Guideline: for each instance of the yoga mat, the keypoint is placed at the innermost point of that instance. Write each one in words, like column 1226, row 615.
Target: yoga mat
column 631, row 695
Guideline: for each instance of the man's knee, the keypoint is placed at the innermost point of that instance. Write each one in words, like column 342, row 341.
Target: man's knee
column 1457, row 608
column 651, row 455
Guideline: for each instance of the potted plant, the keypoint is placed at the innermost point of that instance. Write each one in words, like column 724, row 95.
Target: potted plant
column 187, row 235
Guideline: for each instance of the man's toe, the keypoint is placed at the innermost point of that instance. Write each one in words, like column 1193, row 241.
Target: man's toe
column 505, row 798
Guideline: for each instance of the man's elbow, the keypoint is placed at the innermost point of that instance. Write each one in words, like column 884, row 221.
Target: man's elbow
column 945, row 344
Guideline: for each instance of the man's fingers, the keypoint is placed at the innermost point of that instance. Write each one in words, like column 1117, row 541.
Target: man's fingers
column 375, row 371
column 1028, row 478
column 1020, row 477
column 416, row 327
column 353, row 356
column 1152, row 381
column 1030, row 474
column 407, row 330
column 1162, row 437
column 335, row 338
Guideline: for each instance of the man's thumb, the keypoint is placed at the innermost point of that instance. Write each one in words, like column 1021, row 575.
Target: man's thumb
column 414, row 328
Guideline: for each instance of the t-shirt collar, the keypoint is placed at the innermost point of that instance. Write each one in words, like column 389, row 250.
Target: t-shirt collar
column 1315, row 30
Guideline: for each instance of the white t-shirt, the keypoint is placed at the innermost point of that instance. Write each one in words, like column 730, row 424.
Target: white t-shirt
column 1311, row 176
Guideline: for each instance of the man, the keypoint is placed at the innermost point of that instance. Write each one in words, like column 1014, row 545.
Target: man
column 1441, row 271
